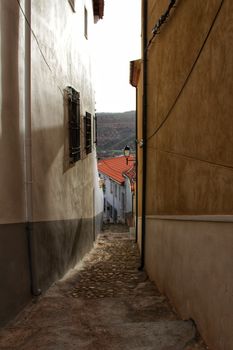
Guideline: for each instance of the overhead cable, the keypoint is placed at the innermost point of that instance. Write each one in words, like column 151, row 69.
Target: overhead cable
column 189, row 74
column 182, row 155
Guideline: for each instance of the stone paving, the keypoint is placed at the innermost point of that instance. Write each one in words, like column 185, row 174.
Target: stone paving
column 105, row 303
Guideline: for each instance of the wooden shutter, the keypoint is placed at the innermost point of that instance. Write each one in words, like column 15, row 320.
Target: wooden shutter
column 88, row 132
column 74, row 125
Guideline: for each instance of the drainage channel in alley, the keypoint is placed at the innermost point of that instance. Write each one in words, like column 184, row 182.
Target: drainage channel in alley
column 105, row 303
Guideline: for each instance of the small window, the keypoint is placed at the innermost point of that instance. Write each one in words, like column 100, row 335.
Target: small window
column 95, row 130
column 115, row 216
column 111, row 186
column 72, row 4
column 123, row 201
column 110, row 210
column 74, row 124
column 88, row 132
column 85, row 23
column 116, row 190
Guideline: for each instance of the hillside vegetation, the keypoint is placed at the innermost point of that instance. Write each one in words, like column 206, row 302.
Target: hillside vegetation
column 114, row 131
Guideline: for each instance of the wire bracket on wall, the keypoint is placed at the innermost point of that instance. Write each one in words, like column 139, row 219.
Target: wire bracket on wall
column 139, row 143
column 161, row 21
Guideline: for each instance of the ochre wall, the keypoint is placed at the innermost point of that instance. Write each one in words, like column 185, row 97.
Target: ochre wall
column 198, row 178
column 140, row 152
column 189, row 170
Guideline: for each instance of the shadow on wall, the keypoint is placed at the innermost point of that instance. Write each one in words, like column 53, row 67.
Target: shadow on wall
column 66, row 162
column 12, row 187
column 14, row 268
column 59, row 244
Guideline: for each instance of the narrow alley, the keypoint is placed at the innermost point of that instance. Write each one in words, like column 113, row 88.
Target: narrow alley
column 116, row 112
column 106, row 302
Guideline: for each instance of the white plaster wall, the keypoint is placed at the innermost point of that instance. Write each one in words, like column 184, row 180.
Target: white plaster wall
column 128, row 208
column 115, row 201
column 99, row 196
column 122, row 204
column 60, row 191
column 109, row 197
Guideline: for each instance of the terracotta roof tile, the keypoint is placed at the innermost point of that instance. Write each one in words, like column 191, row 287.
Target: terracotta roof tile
column 115, row 167
column 131, row 174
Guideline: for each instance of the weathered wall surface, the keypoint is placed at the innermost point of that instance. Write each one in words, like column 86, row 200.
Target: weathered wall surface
column 191, row 261
column 64, row 210
column 190, row 162
column 14, row 268
column 99, row 202
column 115, row 195
column 65, row 219
column 11, row 118
column 193, row 148
column 67, row 51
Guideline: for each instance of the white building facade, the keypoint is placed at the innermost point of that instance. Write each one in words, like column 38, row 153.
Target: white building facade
column 117, row 189
column 50, row 206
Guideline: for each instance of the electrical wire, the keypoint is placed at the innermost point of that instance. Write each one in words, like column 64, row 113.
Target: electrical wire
column 189, row 74
column 83, row 153
column 34, row 35
column 228, row 167
column 38, row 45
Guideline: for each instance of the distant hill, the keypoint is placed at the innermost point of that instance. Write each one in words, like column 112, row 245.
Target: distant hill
column 114, row 131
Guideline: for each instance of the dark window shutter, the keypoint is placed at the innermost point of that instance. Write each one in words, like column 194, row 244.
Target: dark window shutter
column 95, row 130
column 74, row 125
column 88, row 132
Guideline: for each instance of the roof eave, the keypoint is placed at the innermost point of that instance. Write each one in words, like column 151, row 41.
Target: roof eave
column 111, row 178
column 135, row 69
column 98, row 9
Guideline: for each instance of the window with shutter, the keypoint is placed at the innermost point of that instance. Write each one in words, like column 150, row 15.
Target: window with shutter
column 88, row 133
column 95, row 130
column 85, row 23
column 74, row 124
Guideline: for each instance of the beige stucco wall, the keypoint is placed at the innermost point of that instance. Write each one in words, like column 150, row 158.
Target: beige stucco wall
column 191, row 261
column 199, row 129
column 190, row 163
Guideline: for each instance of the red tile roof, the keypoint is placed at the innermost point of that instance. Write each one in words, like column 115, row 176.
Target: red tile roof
column 131, row 173
column 115, row 167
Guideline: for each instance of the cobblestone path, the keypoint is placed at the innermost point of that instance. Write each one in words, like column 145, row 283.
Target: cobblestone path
column 105, row 303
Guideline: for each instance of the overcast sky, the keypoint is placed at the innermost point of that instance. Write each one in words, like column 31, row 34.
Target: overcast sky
column 116, row 42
